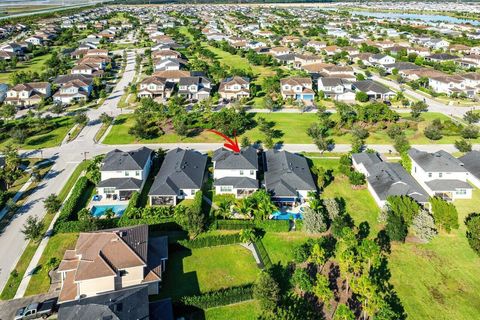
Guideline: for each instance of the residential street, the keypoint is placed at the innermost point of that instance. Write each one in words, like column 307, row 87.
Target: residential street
column 68, row 155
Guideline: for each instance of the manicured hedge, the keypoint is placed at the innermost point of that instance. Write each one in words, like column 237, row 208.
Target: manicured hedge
column 71, row 206
column 157, row 224
column 211, row 241
column 267, row 225
column 221, row 297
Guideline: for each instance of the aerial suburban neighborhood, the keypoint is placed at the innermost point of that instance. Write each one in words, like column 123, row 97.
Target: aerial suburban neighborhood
column 227, row 160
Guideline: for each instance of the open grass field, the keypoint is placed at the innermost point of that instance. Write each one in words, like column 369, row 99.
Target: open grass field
column 37, row 64
column 197, row 271
column 280, row 245
column 292, row 126
column 247, row 310
column 40, row 281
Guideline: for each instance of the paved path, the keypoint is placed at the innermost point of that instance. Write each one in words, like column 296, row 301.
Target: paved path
column 66, row 157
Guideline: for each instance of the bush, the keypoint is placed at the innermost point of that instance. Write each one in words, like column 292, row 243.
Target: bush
column 314, row 221
column 432, row 132
column 445, row 214
column 463, row 145
column 470, row 132
column 211, row 241
column 356, row 178
column 396, row 227
column 132, row 203
column 70, row 208
column 473, row 231
column 266, row 225
column 221, row 297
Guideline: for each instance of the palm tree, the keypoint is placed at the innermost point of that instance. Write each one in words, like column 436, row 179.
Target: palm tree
column 224, row 208
column 244, row 206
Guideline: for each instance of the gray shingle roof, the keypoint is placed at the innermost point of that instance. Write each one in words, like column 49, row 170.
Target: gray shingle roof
column 391, row 179
column 471, row 162
column 181, row 169
column 369, row 85
column 440, row 161
column 367, row 159
column 121, row 183
column 131, row 160
column 286, row 173
column 226, row 159
column 447, row 185
column 237, row 182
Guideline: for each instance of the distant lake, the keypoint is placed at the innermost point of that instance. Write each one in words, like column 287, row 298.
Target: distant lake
column 412, row 16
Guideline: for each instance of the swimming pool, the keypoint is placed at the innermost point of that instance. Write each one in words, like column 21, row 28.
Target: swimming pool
column 98, row 211
column 279, row 215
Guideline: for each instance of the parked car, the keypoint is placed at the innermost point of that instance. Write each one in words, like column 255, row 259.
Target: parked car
column 37, row 310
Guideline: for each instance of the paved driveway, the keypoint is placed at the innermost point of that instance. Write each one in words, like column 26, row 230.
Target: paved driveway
column 8, row 308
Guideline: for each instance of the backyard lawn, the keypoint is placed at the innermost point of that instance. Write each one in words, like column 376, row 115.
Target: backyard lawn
column 191, row 272
column 280, row 246
column 247, row 310
column 36, row 64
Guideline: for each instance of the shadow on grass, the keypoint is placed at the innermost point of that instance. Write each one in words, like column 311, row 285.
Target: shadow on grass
column 35, row 141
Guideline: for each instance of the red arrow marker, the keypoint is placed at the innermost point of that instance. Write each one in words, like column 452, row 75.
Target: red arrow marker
column 230, row 144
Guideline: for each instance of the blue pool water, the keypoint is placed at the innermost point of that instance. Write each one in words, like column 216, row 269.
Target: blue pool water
column 278, row 215
column 98, row 211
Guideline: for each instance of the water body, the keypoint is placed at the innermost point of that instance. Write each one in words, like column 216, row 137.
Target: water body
column 433, row 18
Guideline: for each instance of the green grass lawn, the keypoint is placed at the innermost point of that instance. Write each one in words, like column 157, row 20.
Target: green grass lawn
column 46, row 139
column 439, row 280
column 293, row 128
column 36, row 64
column 247, row 310
column 197, row 271
column 280, row 246
column 40, row 281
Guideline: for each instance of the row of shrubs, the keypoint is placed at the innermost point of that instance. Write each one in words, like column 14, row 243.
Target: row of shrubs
column 221, row 297
column 156, row 224
column 211, row 240
column 71, row 206
column 132, row 203
column 266, row 225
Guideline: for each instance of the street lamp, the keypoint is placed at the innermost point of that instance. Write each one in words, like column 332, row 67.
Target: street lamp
column 85, row 155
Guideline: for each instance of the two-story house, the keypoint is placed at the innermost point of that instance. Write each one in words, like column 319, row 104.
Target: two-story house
column 234, row 88
column 381, row 59
column 337, row 89
column 28, row 94
column 123, row 173
column 297, row 88
column 180, row 177
column 450, row 84
column 155, row 87
column 440, row 174
column 235, row 173
column 287, row 178
column 194, row 88
column 73, row 91
column 110, row 261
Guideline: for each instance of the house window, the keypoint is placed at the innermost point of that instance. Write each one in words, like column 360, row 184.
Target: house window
column 241, row 172
column 137, row 173
column 108, row 190
column 461, row 191
column 440, row 174
column 123, row 273
column 252, row 172
column 429, row 174
column 127, row 173
column 192, row 192
column 226, row 189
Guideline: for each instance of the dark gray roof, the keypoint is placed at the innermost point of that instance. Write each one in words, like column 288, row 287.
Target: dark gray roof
column 391, row 179
column 286, row 57
column 237, row 182
column 370, row 85
column 331, row 82
column 447, row 185
column 403, row 66
column 471, row 162
column 186, row 81
column 121, row 183
column 161, row 310
column 69, row 77
column 131, row 160
column 119, row 305
column 442, row 56
column 226, row 159
column 440, row 161
column 181, row 169
column 286, row 173
column 367, row 159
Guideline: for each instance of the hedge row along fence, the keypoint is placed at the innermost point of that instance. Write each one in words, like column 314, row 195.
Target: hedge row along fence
column 71, row 206
column 155, row 224
column 221, row 297
column 267, row 225
column 211, row 241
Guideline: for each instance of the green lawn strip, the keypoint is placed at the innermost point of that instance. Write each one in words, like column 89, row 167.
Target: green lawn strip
column 101, row 131
column 47, row 139
column 191, row 272
column 293, row 128
column 75, row 132
column 36, row 64
column 246, row 310
column 40, row 281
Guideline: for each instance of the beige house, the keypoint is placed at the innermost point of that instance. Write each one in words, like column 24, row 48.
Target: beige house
column 154, row 87
column 297, row 88
column 28, row 94
column 234, row 88
column 112, row 260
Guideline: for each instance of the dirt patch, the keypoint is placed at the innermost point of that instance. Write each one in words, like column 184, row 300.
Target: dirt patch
column 436, row 294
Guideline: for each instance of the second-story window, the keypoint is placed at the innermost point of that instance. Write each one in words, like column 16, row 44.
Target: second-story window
column 241, row 172
column 429, row 174
column 127, row 173
column 137, row 173
column 440, row 174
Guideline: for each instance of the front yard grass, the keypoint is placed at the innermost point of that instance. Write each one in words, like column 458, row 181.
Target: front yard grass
column 40, row 281
column 246, row 310
column 196, row 271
